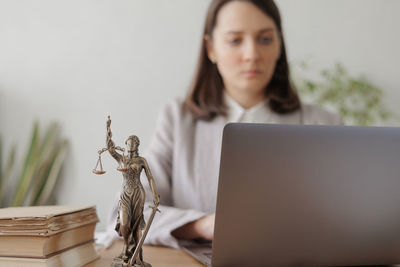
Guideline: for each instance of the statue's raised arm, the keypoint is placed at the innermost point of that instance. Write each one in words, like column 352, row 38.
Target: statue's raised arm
column 110, row 143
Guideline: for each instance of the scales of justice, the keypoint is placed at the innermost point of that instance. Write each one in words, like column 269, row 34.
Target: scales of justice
column 130, row 222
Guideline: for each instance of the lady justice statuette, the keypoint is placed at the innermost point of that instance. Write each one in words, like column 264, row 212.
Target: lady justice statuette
column 130, row 222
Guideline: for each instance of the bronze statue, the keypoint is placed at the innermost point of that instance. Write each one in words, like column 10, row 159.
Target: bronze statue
column 130, row 221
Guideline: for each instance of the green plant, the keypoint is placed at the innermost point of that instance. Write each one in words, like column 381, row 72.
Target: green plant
column 358, row 101
column 40, row 169
column 5, row 169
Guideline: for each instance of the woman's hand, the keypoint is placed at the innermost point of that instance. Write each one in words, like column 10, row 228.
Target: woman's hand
column 205, row 227
column 202, row 228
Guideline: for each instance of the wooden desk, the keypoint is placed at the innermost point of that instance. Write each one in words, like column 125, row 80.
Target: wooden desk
column 156, row 256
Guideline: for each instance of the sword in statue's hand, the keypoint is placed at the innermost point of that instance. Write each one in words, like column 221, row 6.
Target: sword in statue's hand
column 140, row 243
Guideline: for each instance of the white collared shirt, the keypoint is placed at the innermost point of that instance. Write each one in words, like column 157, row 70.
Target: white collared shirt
column 236, row 113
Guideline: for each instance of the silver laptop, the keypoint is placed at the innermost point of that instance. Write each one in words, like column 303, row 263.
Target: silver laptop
column 308, row 196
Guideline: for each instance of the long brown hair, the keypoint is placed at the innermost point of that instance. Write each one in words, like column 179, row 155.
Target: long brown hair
column 205, row 99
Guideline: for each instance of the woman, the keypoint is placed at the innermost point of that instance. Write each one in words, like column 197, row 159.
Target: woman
column 242, row 76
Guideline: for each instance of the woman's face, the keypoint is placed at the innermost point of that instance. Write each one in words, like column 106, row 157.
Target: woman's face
column 245, row 45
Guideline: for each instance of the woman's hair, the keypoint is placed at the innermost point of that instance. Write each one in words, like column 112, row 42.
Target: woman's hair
column 205, row 99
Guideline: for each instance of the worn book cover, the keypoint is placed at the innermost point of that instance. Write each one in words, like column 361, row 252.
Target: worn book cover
column 44, row 220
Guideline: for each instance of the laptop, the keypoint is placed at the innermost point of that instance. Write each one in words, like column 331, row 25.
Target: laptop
column 295, row 195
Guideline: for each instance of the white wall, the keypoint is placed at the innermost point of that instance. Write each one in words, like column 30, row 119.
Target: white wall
column 78, row 61
column 361, row 34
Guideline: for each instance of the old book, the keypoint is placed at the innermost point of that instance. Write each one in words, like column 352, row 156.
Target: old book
column 41, row 246
column 76, row 256
column 44, row 220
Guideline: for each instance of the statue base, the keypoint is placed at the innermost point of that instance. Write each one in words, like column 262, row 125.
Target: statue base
column 118, row 262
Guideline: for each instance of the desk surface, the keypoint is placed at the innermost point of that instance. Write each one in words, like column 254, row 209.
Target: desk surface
column 156, row 256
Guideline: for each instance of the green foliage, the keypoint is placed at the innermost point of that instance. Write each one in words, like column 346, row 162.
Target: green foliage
column 5, row 170
column 40, row 169
column 358, row 101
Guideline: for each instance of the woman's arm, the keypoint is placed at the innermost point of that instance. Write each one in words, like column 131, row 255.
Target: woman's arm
column 159, row 156
column 201, row 228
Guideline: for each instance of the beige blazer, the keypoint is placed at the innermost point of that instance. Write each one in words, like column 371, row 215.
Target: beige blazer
column 184, row 157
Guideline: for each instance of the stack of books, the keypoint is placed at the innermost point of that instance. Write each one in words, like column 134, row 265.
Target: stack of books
column 47, row 236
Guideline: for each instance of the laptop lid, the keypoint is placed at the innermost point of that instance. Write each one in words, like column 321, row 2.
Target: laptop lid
column 308, row 196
